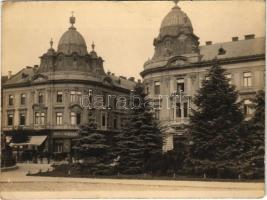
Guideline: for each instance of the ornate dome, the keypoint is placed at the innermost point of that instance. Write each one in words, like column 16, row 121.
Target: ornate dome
column 72, row 41
column 174, row 22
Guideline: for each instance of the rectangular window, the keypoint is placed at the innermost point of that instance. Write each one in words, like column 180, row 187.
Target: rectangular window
column 41, row 98
column 59, row 118
column 23, row 99
column 59, row 97
column 247, row 79
column 75, row 96
column 229, row 78
column 157, row 113
column 185, row 110
column 157, row 87
column 22, row 119
column 72, row 96
column 73, row 118
column 58, row 148
column 115, row 121
column 248, row 108
column 79, row 95
column 78, row 120
column 103, row 120
column 37, row 118
column 10, row 119
column 42, row 118
column 180, row 85
column 178, row 110
column 11, row 100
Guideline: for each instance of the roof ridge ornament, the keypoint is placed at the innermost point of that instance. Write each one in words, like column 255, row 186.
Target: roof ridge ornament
column 51, row 43
column 176, row 3
column 93, row 46
column 72, row 20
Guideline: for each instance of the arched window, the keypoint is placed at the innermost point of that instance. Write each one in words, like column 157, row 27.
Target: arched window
column 75, row 118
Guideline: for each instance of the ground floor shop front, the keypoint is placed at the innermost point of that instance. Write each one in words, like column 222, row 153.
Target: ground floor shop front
column 29, row 145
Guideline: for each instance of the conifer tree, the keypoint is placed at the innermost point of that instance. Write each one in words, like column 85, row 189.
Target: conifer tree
column 140, row 141
column 92, row 148
column 253, row 158
column 214, row 127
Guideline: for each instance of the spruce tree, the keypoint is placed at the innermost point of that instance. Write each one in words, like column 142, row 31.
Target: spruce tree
column 93, row 149
column 140, row 141
column 253, row 158
column 214, row 127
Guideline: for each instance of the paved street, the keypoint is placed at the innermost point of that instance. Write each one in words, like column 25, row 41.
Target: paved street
column 15, row 184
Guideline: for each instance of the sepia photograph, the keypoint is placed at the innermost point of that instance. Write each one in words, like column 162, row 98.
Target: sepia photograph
column 133, row 99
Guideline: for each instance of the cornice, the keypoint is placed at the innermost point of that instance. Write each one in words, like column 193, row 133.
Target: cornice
column 67, row 81
column 205, row 63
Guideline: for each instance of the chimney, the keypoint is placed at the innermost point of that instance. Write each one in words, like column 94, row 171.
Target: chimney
column 109, row 73
column 112, row 74
column 250, row 36
column 234, row 39
column 131, row 79
column 9, row 74
column 208, row 42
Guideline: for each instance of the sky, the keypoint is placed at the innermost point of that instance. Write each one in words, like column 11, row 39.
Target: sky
column 123, row 32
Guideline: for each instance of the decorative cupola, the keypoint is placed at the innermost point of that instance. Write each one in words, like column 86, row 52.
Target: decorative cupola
column 71, row 56
column 72, row 41
column 176, row 35
column 47, row 59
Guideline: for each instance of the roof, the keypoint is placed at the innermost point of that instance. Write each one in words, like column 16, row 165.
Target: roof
column 231, row 50
column 72, row 42
column 22, row 76
column 234, row 49
column 122, row 82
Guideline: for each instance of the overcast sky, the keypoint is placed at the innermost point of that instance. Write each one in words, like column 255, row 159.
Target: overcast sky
column 123, row 32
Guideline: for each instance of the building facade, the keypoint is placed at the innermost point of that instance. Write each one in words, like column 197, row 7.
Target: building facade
column 49, row 102
column 179, row 65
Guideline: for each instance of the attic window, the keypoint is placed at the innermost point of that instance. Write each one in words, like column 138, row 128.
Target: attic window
column 23, row 75
column 221, row 51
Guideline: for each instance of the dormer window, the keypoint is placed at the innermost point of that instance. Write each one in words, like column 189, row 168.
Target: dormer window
column 221, row 51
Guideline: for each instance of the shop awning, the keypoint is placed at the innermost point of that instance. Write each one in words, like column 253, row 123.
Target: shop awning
column 37, row 140
column 33, row 140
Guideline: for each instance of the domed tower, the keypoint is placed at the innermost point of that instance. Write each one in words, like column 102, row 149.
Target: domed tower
column 71, row 56
column 176, row 37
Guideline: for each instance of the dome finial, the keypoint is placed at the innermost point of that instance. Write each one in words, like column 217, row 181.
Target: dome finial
column 51, row 43
column 176, row 2
column 72, row 19
column 93, row 46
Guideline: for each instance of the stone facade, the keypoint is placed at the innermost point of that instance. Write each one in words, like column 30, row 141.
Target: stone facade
column 179, row 63
column 48, row 99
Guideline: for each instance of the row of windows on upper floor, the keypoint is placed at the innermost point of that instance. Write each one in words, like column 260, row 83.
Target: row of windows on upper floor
column 74, row 97
column 183, row 110
column 75, row 119
column 180, row 83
